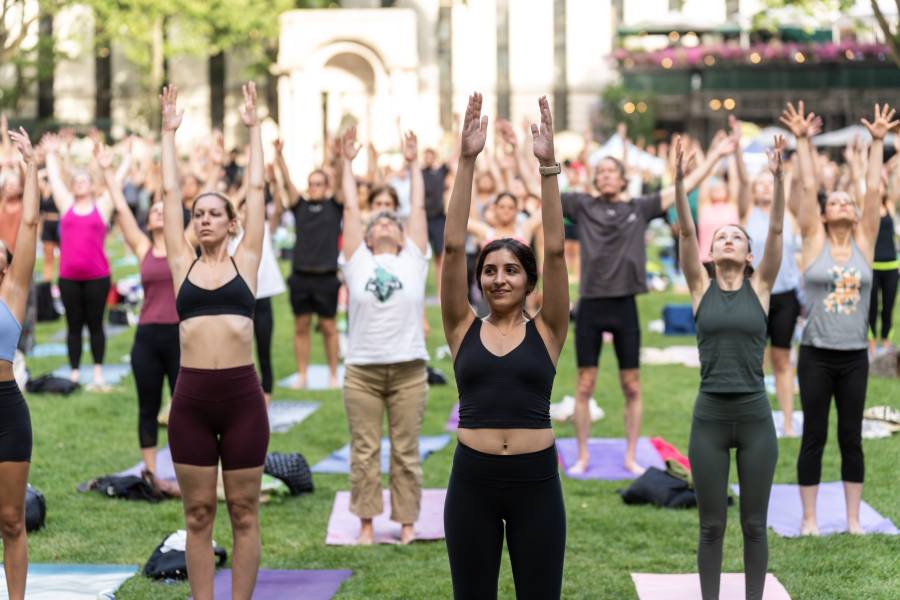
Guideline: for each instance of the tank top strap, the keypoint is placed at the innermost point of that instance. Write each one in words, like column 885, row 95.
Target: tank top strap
column 191, row 268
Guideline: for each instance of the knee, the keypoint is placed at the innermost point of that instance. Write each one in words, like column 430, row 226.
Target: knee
column 754, row 529
column 12, row 522
column 244, row 515
column 301, row 326
column 631, row 388
column 198, row 517
column 587, row 380
column 328, row 327
column 712, row 531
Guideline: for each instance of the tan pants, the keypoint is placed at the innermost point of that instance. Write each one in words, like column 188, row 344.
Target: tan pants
column 402, row 388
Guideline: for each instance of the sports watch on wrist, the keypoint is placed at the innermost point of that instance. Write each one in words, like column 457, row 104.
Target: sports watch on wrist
column 554, row 169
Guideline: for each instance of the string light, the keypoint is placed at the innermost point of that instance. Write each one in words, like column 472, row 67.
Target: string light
column 666, row 63
column 755, row 58
column 715, row 104
column 642, row 107
column 629, row 107
column 673, row 36
column 729, row 103
column 799, row 57
column 709, row 60
column 849, row 54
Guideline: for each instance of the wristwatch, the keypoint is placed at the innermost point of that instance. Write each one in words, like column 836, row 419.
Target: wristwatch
column 551, row 170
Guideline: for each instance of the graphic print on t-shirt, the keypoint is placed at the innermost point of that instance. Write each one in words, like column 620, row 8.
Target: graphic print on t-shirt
column 845, row 285
column 383, row 284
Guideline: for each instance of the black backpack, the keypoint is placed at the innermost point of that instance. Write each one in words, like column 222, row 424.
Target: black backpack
column 35, row 509
column 51, row 384
column 128, row 487
column 173, row 564
column 660, row 488
column 292, row 469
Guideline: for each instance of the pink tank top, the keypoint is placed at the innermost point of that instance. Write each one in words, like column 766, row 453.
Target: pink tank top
column 81, row 252
column 712, row 217
column 159, row 292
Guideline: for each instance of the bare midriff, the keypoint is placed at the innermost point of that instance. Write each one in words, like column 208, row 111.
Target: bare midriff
column 216, row 342
column 6, row 371
column 506, row 441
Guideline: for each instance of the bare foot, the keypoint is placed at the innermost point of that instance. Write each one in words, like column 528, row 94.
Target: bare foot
column 366, row 533
column 855, row 528
column 74, row 375
column 633, row 467
column 579, row 467
column 809, row 528
column 790, row 433
column 299, row 383
column 407, row 533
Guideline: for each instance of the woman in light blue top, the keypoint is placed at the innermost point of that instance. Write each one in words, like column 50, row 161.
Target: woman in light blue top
column 15, row 422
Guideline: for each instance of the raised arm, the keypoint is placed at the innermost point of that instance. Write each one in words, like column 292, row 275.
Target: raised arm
column 278, row 194
column 771, row 259
column 694, row 271
column 879, row 127
column 136, row 239
column 179, row 253
column 455, row 310
column 554, row 315
column 285, row 174
column 719, row 150
column 16, row 285
column 803, row 126
column 249, row 251
column 417, row 224
column 743, row 180
column 353, row 229
column 62, row 197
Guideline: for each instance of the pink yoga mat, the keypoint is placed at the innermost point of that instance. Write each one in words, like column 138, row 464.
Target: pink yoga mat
column 343, row 526
column 686, row 586
column 607, row 458
column 278, row 585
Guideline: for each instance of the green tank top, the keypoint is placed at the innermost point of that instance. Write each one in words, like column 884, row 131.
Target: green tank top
column 731, row 336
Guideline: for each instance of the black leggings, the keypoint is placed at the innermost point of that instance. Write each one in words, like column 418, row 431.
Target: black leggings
column 522, row 491
column 886, row 281
column 263, row 323
column 756, row 455
column 84, row 302
column 824, row 373
column 156, row 354
column 15, row 424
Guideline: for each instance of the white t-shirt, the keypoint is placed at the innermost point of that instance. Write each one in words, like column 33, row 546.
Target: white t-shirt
column 386, row 306
column 269, row 281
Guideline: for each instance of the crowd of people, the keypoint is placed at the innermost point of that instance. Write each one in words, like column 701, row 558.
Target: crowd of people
column 508, row 228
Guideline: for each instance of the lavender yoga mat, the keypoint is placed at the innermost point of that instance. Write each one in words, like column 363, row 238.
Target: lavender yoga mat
column 281, row 584
column 339, row 460
column 659, row 586
column 343, row 526
column 786, row 512
column 453, row 420
column 164, row 467
column 607, row 457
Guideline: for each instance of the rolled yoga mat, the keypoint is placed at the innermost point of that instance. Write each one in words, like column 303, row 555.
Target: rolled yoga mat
column 73, row 582
column 283, row 584
column 607, row 457
column 343, row 526
column 316, row 378
column 786, row 511
column 339, row 460
column 680, row 586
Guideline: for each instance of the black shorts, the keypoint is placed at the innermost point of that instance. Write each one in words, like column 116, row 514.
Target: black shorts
column 619, row 316
column 436, row 234
column 315, row 293
column 15, row 424
column 784, row 309
column 50, row 231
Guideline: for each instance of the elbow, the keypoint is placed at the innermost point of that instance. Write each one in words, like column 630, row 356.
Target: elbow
column 454, row 248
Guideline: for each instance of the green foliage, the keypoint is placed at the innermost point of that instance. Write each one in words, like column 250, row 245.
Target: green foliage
column 615, row 100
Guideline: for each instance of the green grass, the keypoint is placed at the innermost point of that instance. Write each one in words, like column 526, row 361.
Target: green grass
column 85, row 435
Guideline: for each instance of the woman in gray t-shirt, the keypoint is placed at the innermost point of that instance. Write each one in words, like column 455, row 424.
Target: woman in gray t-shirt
column 838, row 250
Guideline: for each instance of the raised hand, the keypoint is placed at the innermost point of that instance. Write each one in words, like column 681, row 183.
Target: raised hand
column 775, row 156
column 50, row 142
column 543, row 135
column 474, row 131
column 23, row 144
column 800, row 123
column 248, row 108
column 724, row 144
column 217, row 148
column 882, row 123
column 104, row 156
column 171, row 116
column 410, row 147
column 683, row 158
column 278, row 144
column 348, row 146
column 505, row 129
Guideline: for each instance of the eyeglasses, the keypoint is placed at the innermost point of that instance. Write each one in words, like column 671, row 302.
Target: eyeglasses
column 316, row 184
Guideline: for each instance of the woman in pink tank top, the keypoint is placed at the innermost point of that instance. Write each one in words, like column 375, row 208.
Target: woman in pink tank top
column 156, row 353
column 83, row 266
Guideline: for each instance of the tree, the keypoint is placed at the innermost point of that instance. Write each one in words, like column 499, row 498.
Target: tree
column 27, row 55
column 890, row 30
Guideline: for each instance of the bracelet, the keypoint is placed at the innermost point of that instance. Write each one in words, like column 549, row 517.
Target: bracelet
column 551, row 170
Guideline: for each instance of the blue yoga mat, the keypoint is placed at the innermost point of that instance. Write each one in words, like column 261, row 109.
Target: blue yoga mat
column 316, row 378
column 110, row 330
column 51, row 349
column 284, row 414
column 73, row 582
column 112, row 373
column 339, row 460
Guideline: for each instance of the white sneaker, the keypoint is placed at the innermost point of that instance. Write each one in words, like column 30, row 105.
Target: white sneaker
column 597, row 413
column 563, row 410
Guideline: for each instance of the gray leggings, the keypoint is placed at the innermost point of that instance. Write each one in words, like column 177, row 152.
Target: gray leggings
column 709, row 453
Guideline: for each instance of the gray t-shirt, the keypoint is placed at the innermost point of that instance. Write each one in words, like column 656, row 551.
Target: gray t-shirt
column 611, row 236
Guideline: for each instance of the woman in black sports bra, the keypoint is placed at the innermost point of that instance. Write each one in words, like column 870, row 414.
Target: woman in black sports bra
column 505, row 466
column 218, row 409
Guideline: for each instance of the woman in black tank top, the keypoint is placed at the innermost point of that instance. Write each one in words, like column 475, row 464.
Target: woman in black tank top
column 505, row 467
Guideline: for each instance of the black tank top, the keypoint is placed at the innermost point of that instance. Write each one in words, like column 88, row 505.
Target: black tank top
column 885, row 250
column 233, row 298
column 504, row 392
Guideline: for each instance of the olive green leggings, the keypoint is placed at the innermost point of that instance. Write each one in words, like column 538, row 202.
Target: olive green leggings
column 709, row 453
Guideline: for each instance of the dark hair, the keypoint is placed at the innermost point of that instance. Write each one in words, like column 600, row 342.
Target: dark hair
column 9, row 254
column 503, row 195
column 319, row 172
column 229, row 207
column 523, row 254
column 383, row 189
column 711, row 266
column 619, row 165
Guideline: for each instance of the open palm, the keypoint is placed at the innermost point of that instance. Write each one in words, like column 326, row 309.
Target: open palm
column 775, row 156
column 168, row 104
column 542, row 135
column 23, row 144
column 349, row 148
column 474, row 131
column 248, row 108
column 883, row 121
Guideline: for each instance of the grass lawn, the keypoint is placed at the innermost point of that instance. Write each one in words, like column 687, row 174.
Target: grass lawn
column 88, row 434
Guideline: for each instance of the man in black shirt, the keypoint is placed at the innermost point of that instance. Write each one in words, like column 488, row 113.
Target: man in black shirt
column 313, row 282
column 435, row 180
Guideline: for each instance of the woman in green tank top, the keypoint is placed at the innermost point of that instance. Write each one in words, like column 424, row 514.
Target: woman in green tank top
column 731, row 303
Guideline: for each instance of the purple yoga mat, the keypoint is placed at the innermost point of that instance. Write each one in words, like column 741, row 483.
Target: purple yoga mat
column 786, row 512
column 453, row 421
column 164, row 467
column 279, row 585
column 607, row 457
column 659, row 586
column 343, row 526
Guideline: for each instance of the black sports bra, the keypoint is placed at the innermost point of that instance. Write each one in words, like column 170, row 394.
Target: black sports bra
column 504, row 392
column 233, row 298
